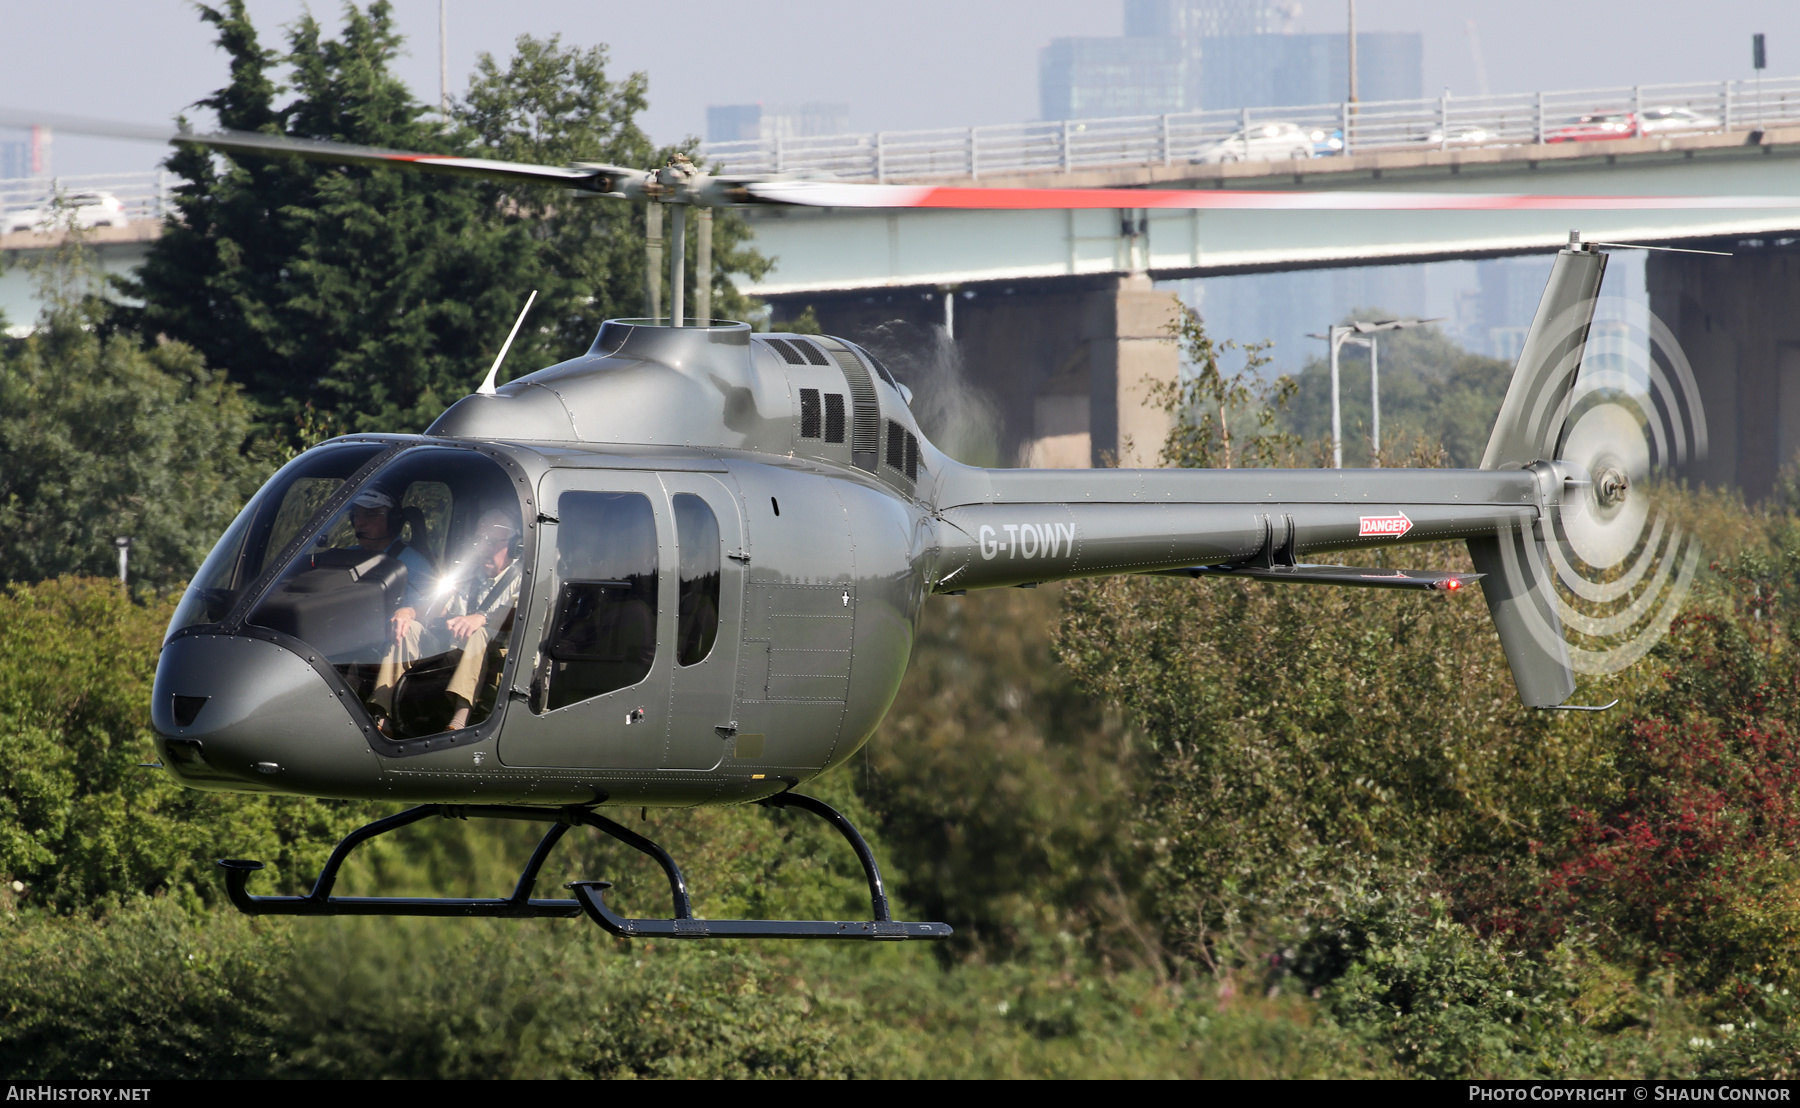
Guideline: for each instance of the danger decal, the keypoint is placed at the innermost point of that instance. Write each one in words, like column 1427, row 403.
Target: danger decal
column 1383, row 527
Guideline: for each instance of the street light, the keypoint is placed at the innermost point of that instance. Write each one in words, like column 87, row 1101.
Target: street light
column 123, row 543
column 1339, row 334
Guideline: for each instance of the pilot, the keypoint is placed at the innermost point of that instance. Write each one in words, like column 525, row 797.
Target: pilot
column 372, row 517
column 480, row 608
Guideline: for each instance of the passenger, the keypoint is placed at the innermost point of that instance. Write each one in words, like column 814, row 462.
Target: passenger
column 480, row 609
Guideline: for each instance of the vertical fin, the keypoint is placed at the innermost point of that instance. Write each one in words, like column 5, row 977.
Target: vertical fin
column 1520, row 597
column 1519, row 584
column 1536, row 401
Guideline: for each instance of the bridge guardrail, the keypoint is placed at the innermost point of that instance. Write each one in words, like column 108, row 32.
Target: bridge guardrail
column 1445, row 122
column 144, row 195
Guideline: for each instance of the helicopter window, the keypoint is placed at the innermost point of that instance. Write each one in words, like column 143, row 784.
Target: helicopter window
column 834, row 417
column 603, row 635
column 278, row 512
column 697, row 536
column 809, row 413
column 409, row 589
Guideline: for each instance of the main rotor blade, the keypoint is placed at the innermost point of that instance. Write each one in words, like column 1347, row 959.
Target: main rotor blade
column 732, row 190
column 830, row 194
column 606, row 180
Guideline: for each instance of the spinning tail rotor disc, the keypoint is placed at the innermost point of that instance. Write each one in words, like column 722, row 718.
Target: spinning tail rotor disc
column 1621, row 562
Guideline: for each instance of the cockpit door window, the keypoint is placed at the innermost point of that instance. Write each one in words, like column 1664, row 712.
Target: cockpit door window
column 603, row 635
column 594, row 688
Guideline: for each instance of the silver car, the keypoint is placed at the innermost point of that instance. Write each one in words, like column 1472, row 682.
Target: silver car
column 79, row 209
column 1262, row 142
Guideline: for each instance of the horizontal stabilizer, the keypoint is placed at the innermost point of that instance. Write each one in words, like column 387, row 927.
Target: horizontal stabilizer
column 1429, row 580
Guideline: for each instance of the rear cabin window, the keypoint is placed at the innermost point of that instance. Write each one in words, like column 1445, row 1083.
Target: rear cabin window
column 697, row 534
column 603, row 631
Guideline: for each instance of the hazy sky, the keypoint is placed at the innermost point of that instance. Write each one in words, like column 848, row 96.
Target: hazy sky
column 922, row 63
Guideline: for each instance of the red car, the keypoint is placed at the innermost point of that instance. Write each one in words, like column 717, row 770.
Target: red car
column 1597, row 127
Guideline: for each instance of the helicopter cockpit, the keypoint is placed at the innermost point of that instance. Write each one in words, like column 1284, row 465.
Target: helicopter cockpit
column 408, row 588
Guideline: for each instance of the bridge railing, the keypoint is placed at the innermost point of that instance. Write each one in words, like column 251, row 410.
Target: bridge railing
column 1340, row 128
column 144, row 195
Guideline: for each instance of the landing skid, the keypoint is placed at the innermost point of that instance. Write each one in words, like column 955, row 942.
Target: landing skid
column 589, row 895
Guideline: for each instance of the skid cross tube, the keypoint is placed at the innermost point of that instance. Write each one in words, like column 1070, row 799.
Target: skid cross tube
column 592, row 896
column 320, row 902
column 589, row 895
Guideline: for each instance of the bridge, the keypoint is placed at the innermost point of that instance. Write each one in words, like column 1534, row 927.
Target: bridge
column 1057, row 315
column 144, row 197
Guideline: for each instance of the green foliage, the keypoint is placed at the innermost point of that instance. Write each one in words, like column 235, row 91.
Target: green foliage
column 806, row 323
column 379, row 295
column 1431, row 389
column 1030, row 853
column 101, row 438
column 81, row 824
column 1208, row 404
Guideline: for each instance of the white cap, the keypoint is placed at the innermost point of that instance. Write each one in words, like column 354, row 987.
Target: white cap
column 373, row 498
column 495, row 524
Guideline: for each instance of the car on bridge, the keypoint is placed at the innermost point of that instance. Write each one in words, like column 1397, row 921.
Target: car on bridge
column 85, row 210
column 1679, row 119
column 1261, row 142
column 1601, row 126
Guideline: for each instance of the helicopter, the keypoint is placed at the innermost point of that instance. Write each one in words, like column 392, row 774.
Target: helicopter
column 686, row 566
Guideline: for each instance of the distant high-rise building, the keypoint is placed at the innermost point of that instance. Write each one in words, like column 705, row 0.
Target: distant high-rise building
column 1184, row 55
column 1268, row 71
column 1206, row 18
column 766, row 122
column 25, row 153
column 1090, row 78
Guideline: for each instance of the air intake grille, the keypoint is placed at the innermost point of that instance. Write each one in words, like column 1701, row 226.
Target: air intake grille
column 912, row 457
column 880, row 370
column 865, row 423
column 896, row 446
column 809, row 350
column 788, row 353
column 834, row 417
column 809, row 413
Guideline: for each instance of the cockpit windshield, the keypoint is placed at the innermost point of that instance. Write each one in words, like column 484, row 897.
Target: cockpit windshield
column 272, row 519
column 409, row 589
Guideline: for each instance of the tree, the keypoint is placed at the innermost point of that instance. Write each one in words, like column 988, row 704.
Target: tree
column 101, row 437
column 1431, row 388
column 1208, row 404
column 379, row 295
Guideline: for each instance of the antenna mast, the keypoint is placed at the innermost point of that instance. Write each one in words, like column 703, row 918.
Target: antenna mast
column 444, row 59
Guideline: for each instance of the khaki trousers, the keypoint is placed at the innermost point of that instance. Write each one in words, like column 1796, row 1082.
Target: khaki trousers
column 467, row 677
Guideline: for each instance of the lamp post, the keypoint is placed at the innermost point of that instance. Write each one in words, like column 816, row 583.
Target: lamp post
column 1362, row 333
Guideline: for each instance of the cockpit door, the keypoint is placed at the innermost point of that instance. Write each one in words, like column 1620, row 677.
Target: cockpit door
column 711, row 556
column 600, row 626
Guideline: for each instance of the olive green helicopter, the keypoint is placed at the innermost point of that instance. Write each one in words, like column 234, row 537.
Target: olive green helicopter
column 685, row 567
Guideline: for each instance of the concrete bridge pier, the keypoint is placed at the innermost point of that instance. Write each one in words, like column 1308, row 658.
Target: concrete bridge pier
column 1068, row 361
column 1738, row 321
